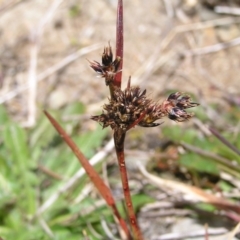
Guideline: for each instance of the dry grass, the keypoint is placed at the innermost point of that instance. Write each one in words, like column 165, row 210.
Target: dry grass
column 153, row 45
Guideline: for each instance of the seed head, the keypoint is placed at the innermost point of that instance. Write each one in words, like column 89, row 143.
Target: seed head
column 131, row 107
column 175, row 106
column 108, row 68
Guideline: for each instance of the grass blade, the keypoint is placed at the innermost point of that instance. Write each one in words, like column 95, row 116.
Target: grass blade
column 91, row 172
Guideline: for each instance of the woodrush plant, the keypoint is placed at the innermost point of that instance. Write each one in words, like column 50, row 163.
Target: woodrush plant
column 125, row 109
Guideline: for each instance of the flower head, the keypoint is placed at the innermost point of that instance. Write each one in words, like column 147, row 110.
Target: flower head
column 175, row 106
column 131, row 107
column 108, row 68
column 124, row 108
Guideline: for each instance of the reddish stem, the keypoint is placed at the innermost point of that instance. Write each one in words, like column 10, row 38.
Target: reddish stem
column 119, row 42
column 119, row 137
column 138, row 120
column 91, row 172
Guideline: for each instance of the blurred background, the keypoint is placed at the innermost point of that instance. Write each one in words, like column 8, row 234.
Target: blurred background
column 169, row 45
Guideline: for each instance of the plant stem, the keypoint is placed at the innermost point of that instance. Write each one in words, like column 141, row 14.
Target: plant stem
column 224, row 141
column 91, row 172
column 119, row 42
column 119, row 137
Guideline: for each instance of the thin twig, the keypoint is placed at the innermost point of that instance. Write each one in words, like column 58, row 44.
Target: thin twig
column 230, row 178
column 107, row 231
column 49, row 172
column 227, row 10
column 46, row 228
column 212, row 49
column 234, row 232
column 51, row 70
column 165, row 212
column 224, row 140
column 93, row 231
column 197, row 26
column 203, row 128
column 219, row 159
column 190, row 234
column 154, row 62
column 156, row 59
column 35, row 38
column 190, row 192
column 32, row 83
column 84, row 193
column 87, row 210
column 207, row 24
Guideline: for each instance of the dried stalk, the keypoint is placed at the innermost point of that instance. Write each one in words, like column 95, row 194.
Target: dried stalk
column 35, row 38
column 51, row 70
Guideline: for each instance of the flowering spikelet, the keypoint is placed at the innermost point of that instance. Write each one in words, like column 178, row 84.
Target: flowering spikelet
column 108, row 68
column 175, row 106
column 124, row 108
column 131, row 107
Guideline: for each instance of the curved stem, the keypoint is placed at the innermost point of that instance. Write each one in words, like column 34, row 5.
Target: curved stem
column 119, row 137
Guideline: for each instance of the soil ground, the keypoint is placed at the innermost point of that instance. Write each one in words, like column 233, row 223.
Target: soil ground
column 162, row 50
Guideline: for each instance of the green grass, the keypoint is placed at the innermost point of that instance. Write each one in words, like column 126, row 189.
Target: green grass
column 24, row 187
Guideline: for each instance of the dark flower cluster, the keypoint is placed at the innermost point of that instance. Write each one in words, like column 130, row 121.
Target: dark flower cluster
column 124, row 108
column 130, row 107
column 108, row 68
column 175, row 106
